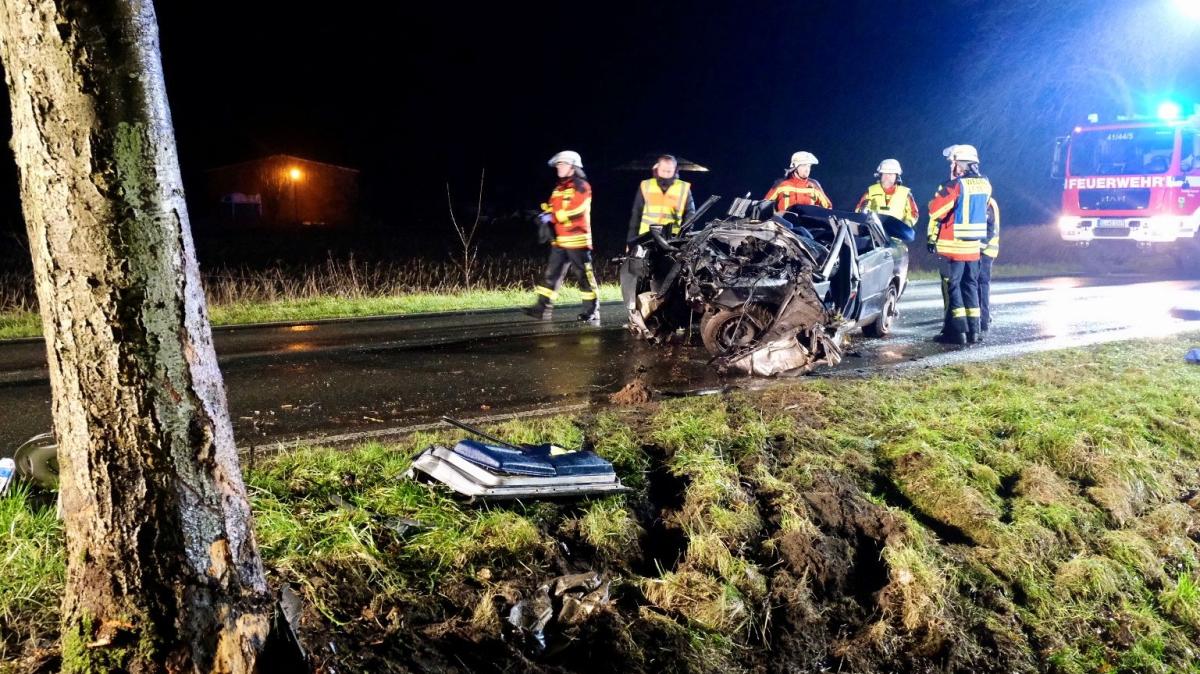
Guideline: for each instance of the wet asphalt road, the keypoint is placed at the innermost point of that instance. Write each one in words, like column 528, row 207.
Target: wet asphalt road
column 362, row 378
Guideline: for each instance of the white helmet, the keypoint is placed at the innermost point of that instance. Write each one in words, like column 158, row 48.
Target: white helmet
column 803, row 159
column 963, row 153
column 567, row 157
column 889, row 166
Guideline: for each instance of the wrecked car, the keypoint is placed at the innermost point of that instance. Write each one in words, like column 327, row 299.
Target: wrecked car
column 769, row 292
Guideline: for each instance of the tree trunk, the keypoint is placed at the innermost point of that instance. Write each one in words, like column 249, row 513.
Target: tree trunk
column 163, row 573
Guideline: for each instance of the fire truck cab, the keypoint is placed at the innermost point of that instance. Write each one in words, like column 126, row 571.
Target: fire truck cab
column 1135, row 180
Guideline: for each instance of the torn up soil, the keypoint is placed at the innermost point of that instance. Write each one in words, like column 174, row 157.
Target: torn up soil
column 828, row 601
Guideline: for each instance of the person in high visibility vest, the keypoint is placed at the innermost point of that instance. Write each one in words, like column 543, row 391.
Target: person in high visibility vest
column 888, row 196
column 663, row 201
column 958, row 223
column 990, row 250
column 797, row 188
column 570, row 212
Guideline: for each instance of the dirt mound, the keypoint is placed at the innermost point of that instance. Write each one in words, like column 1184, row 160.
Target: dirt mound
column 634, row 393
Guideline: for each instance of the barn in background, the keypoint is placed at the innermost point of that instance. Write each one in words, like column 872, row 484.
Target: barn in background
column 281, row 190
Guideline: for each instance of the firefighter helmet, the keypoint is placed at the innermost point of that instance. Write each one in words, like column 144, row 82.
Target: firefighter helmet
column 963, row 153
column 803, row 159
column 567, row 157
column 889, row 166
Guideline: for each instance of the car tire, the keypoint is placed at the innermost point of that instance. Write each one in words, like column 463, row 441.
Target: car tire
column 37, row 460
column 728, row 329
column 882, row 325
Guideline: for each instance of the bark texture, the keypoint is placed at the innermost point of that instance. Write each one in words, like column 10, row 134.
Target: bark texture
column 163, row 573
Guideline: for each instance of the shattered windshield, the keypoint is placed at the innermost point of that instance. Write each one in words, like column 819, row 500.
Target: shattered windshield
column 1122, row 152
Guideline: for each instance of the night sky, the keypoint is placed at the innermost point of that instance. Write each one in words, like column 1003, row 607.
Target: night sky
column 418, row 94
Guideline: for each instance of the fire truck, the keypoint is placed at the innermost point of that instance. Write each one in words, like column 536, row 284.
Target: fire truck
column 1132, row 182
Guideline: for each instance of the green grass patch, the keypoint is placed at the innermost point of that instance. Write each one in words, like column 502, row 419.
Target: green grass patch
column 27, row 324
column 32, row 569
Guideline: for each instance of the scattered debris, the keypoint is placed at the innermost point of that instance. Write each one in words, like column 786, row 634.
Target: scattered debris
column 1193, row 356
column 8, row 469
column 503, row 470
column 634, row 393
column 399, row 525
column 531, row 616
column 284, row 650
column 579, row 597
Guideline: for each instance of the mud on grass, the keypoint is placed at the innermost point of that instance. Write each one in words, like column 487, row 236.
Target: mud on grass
column 1034, row 516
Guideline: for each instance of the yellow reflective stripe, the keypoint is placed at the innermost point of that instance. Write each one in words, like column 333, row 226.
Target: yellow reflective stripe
column 574, row 238
column 993, row 246
column 974, row 312
column 545, row 292
column 960, row 312
column 957, row 247
column 581, row 208
column 940, row 213
column 588, row 295
column 974, row 231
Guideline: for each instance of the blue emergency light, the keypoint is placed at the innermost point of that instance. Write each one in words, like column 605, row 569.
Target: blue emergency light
column 1169, row 111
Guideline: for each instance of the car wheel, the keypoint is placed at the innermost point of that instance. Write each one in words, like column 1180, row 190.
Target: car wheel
column 730, row 329
column 882, row 325
column 37, row 460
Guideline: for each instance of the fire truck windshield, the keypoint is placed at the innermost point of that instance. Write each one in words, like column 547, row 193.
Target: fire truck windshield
column 1111, row 152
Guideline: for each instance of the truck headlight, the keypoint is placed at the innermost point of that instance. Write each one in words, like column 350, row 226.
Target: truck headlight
column 1068, row 223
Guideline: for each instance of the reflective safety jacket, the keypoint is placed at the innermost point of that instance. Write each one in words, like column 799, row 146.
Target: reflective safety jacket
column 571, row 205
column 960, row 215
column 991, row 247
column 662, row 208
column 795, row 191
column 897, row 202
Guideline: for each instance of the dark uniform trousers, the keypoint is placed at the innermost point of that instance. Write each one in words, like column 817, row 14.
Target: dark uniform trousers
column 563, row 260
column 985, row 291
column 960, row 295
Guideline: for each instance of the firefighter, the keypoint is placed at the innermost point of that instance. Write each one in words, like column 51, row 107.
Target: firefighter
column 797, row 188
column 990, row 250
column 958, row 224
column 663, row 201
column 888, row 196
column 569, row 211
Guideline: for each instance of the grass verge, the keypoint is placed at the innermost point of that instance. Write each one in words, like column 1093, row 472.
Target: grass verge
column 1039, row 515
column 19, row 324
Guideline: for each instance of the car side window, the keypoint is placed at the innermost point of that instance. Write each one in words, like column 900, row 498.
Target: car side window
column 878, row 235
column 1190, row 149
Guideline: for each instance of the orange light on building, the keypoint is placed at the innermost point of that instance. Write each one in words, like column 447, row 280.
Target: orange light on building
column 295, row 174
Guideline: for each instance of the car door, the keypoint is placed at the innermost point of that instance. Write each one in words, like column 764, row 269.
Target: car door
column 875, row 259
